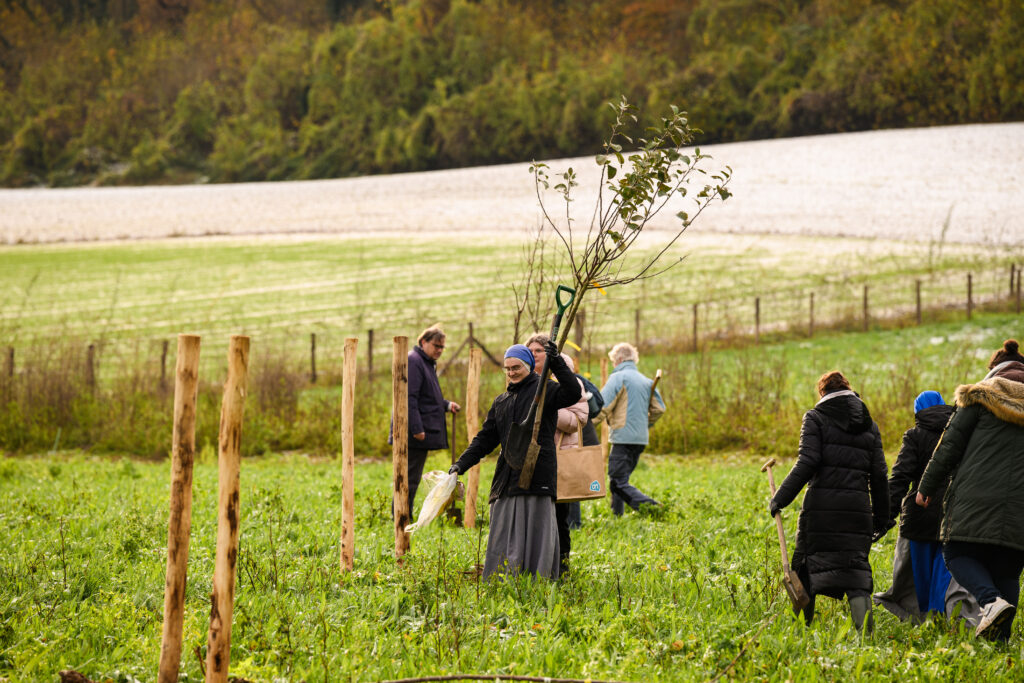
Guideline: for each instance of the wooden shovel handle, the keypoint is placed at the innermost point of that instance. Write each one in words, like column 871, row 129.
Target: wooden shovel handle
column 767, row 467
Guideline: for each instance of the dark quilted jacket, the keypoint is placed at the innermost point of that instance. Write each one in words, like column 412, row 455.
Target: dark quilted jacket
column 983, row 450
column 917, row 523
column 514, row 405
column 842, row 464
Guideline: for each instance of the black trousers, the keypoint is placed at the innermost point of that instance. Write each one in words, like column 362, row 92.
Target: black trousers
column 417, row 458
column 563, row 511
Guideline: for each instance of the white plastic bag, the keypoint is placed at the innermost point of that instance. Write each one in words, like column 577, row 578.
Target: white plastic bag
column 437, row 500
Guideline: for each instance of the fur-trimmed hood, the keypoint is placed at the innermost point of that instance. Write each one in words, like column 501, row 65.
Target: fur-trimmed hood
column 1002, row 397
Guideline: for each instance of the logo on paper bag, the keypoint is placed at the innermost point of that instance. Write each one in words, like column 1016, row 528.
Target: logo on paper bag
column 595, row 485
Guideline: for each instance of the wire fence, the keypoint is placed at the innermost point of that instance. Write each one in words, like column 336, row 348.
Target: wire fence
column 653, row 320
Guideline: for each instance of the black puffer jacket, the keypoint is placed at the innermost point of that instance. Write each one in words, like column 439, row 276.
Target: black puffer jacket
column 842, row 463
column 917, row 523
column 514, row 406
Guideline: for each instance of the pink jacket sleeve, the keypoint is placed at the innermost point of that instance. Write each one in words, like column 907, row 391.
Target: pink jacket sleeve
column 569, row 420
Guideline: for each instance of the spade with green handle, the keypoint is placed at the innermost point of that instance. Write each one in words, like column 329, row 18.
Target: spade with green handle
column 522, row 436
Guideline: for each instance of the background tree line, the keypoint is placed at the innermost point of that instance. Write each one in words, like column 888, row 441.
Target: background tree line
column 142, row 91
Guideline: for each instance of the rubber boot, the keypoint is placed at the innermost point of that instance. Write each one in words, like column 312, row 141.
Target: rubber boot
column 809, row 611
column 860, row 608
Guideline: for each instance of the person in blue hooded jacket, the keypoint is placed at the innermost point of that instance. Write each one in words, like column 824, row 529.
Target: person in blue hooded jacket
column 630, row 412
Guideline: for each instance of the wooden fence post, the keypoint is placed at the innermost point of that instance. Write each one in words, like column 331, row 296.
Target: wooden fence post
column 918, row 302
column 810, row 325
column 757, row 320
column 1018, row 302
column 10, row 362
column 636, row 328
column 400, row 442
column 695, row 328
column 369, row 355
column 1013, row 274
column 312, row 357
column 970, row 295
column 605, row 430
column 179, row 523
column 348, row 456
column 90, row 367
column 229, row 457
column 472, row 408
column 163, row 361
column 867, row 318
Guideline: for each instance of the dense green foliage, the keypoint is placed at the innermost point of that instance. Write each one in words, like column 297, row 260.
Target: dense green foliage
column 685, row 595
column 264, row 91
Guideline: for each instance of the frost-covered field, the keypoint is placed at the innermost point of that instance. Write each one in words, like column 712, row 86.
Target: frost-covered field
column 898, row 184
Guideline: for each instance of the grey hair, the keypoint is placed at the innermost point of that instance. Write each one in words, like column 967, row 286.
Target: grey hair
column 623, row 351
column 539, row 338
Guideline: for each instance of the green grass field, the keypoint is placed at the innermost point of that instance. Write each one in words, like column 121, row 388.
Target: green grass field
column 692, row 594
column 130, row 297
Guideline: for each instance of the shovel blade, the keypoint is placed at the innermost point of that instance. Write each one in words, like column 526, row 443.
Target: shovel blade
column 795, row 590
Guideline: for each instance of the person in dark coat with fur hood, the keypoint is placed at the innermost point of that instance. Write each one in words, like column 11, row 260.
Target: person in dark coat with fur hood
column 920, row 578
column 842, row 464
column 982, row 530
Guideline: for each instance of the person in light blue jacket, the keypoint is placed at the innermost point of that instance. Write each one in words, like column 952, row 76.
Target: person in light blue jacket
column 630, row 411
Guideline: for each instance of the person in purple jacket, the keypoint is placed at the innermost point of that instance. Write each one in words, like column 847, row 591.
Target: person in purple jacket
column 427, row 407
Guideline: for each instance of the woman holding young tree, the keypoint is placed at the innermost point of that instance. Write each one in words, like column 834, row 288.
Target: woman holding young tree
column 568, row 435
column 523, row 536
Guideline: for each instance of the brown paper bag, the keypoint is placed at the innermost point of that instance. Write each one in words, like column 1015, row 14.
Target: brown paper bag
column 581, row 473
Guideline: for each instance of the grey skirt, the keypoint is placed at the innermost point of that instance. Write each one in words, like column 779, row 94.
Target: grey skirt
column 523, row 537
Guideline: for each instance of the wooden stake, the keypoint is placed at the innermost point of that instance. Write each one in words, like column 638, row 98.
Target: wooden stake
column 919, row 302
column 695, row 328
column 229, row 457
column 636, row 328
column 757, row 320
column 90, row 367
column 605, row 429
column 348, row 456
column 810, row 325
column 163, row 362
column 312, row 357
column 400, row 442
column 1018, row 305
column 867, row 319
column 369, row 355
column 179, row 523
column 1013, row 274
column 10, row 361
column 970, row 295
column 472, row 408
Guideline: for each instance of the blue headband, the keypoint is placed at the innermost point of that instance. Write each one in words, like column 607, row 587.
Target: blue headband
column 522, row 353
column 927, row 399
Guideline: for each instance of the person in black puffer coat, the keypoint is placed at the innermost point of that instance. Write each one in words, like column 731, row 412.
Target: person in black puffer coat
column 523, row 535
column 842, row 463
column 920, row 578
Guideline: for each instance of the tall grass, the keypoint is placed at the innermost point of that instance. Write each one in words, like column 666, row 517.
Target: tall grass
column 751, row 397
